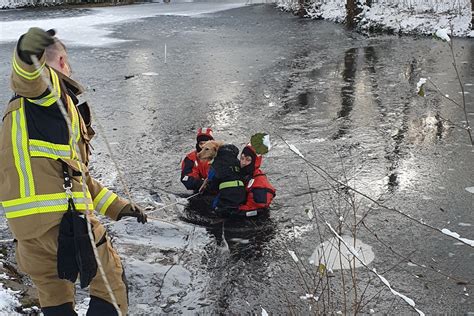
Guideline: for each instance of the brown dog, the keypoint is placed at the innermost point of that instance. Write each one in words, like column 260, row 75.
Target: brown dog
column 209, row 150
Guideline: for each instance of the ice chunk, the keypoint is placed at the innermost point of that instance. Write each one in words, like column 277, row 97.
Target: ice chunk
column 328, row 253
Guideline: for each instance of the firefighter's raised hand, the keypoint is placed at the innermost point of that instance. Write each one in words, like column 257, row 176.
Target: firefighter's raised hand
column 35, row 41
column 133, row 211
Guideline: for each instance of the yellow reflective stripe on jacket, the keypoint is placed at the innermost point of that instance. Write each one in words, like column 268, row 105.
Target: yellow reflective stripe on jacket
column 39, row 148
column 20, row 152
column 24, row 73
column 76, row 135
column 44, row 203
column 231, row 184
column 103, row 200
column 53, row 96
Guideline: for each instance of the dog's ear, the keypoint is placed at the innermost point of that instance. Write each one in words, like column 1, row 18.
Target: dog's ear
column 219, row 143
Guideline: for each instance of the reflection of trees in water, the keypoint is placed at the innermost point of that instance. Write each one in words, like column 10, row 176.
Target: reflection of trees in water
column 302, row 100
column 347, row 94
column 347, row 91
column 392, row 152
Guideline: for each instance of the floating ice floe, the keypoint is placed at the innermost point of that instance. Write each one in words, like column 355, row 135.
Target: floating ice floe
column 362, row 260
column 328, row 253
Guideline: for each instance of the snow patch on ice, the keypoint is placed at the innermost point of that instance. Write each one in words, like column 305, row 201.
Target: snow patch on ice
column 293, row 256
column 404, row 297
column 420, row 84
column 470, row 189
column 309, row 296
column 295, row 150
column 458, row 237
column 96, row 29
column 266, row 141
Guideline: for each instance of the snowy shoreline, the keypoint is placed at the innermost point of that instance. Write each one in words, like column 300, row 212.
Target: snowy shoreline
column 413, row 18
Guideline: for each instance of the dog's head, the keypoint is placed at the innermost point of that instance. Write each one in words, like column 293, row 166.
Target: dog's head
column 209, row 150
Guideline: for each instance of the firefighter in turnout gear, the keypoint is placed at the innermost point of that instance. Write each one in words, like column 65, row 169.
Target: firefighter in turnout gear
column 38, row 159
column 193, row 170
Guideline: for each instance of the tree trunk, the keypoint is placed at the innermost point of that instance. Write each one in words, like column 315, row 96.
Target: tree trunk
column 472, row 14
column 302, row 10
column 353, row 9
column 351, row 13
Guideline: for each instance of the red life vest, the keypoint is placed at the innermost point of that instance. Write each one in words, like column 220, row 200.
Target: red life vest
column 193, row 171
column 260, row 192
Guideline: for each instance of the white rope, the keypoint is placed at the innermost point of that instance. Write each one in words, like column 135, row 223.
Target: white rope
column 119, row 172
column 84, row 187
column 128, row 218
column 158, row 209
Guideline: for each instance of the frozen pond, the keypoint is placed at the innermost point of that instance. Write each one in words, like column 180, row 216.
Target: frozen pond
column 347, row 102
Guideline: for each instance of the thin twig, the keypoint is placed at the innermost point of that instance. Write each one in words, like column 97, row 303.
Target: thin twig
column 385, row 282
column 468, row 128
column 408, row 259
column 323, row 173
column 443, row 94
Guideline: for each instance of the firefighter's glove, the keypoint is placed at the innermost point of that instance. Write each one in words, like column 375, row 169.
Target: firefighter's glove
column 85, row 257
column 67, row 265
column 133, row 211
column 34, row 42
